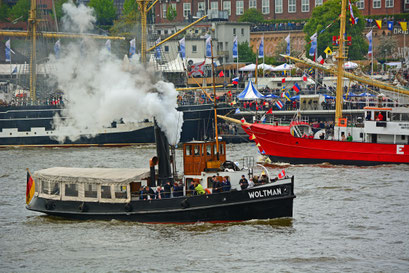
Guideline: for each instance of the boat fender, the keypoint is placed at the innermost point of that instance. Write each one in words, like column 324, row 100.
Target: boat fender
column 185, row 204
column 128, row 207
column 83, row 207
column 49, row 205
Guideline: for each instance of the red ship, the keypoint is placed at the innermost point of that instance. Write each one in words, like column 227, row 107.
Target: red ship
column 372, row 142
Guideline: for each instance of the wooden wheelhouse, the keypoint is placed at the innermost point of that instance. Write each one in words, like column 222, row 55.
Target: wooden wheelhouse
column 199, row 156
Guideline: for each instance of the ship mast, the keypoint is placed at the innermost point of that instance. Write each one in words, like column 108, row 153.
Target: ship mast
column 32, row 33
column 341, row 58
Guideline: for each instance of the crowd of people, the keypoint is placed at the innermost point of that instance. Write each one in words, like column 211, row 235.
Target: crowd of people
column 278, row 26
column 219, row 184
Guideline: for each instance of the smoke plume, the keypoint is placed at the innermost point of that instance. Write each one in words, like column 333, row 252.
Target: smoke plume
column 99, row 88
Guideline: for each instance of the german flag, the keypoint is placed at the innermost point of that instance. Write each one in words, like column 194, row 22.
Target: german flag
column 30, row 188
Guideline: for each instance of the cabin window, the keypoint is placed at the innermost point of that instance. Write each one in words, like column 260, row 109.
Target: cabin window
column 215, row 149
column 120, row 191
column 45, row 187
column 405, row 117
column 71, row 190
column 50, row 187
column 209, row 182
column 402, row 137
column 209, row 149
column 106, row 192
column 221, row 149
column 90, row 191
column 197, row 149
column 188, row 150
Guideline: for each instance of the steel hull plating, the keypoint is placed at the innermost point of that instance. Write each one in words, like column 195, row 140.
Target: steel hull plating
column 257, row 203
column 280, row 145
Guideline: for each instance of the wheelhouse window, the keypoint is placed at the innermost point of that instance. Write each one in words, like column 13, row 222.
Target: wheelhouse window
column 221, row 149
column 292, row 6
column 120, row 191
column 71, row 190
column 188, row 150
column 197, row 150
column 278, row 6
column 208, row 149
column 106, row 192
column 90, row 191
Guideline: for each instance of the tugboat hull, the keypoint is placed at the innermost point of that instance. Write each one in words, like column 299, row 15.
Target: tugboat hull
column 266, row 202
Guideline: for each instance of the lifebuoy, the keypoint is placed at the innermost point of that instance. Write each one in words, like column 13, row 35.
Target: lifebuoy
column 342, row 122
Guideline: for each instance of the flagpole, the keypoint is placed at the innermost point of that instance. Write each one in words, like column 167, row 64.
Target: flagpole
column 264, row 63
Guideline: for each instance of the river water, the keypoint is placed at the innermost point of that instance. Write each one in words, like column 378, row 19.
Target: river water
column 346, row 219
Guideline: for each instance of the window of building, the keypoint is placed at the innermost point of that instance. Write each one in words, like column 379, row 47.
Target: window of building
column 253, row 4
column 305, row 5
column 173, row 6
column 214, row 6
column 239, row 7
column 292, row 6
column 201, row 6
column 106, row 192
column 278, row 6
column 164, row 10
column 318, row 3
column 376, row 4
column 71, row 190
column 242, row 32
column 389, row 3
column 186, row 10
column 406, row 1
column 90, row 191
column 234, row 31
column 265, row 6
column 360, row 4
column 194, row 48
column 166, row 48
column 227, row 6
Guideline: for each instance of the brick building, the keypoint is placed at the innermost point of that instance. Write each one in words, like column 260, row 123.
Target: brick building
column 271, row 9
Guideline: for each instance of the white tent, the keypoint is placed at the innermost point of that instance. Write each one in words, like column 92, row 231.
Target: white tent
column 283, row 67
column 249, row 93
column 252, row 67
column 350, row 65
column 248, row 68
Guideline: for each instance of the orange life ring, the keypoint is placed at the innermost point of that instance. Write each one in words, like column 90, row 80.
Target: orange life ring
column 342, row 122
column 207, row 191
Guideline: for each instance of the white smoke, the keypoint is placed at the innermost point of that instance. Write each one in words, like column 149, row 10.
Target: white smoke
column 100, row 88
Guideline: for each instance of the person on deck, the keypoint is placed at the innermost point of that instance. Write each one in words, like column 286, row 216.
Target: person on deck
column 217, row 185
column 349, row 137
column 226, row 185
column 159, row 194
column 243, row 182
column 199, row 189
column 167, row 188
column 343, row 136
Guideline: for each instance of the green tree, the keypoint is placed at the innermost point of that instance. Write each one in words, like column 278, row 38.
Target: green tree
column 130, row 8
column 323, row 16
column 104, row 10
column 246, row 54
column 4, row 11
column 252, row 16
column 171, row 13
column 58, row 8
column 386, row 46
column 20, row 10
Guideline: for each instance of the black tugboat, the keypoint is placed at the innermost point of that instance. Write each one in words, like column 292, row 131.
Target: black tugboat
column 105, row 194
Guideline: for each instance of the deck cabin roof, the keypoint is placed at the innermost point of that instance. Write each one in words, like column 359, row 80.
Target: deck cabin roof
column 92, row 175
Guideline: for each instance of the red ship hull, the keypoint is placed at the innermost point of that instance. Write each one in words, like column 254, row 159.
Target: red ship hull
column 278, row 143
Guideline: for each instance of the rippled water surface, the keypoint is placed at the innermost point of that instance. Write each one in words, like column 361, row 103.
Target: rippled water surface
column 346, row 219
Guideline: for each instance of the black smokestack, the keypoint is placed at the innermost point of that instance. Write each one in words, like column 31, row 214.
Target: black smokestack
column 162, row 150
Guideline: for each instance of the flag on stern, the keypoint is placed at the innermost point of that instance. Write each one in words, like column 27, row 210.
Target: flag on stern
column 281, row 175
column 30, row 189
